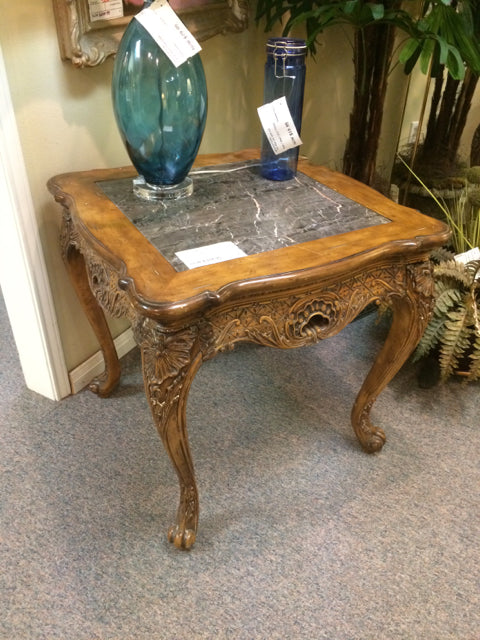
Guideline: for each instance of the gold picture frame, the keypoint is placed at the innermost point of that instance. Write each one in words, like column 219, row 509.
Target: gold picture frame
column 88, row 42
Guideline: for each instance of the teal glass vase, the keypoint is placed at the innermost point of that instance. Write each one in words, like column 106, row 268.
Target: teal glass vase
column 160, row 112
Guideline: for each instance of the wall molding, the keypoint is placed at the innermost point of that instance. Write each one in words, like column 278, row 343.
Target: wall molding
column 23, row 274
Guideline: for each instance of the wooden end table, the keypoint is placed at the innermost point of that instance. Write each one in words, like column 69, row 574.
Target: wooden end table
column 319, row 249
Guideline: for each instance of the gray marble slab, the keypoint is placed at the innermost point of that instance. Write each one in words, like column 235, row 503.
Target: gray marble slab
column 242, row 207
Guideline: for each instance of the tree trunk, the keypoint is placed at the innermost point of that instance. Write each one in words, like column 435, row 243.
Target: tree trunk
column 373, row 48
column 430, row 133
column 449, row 108
column 475, row 148
column 459, row 118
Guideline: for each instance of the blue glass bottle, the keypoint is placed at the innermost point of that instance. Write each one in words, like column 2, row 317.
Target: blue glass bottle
column 160, row 111
column 284, row 76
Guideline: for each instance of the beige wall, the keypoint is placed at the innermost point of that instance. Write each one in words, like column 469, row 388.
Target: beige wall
column 66, row 123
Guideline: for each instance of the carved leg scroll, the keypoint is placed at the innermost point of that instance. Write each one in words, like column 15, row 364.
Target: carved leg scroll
column 105, row 384
column 411, row 313
column 170, row 361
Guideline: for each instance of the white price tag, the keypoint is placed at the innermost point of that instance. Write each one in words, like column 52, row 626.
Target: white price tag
column 105, row 9
column 210, row 254
column 168, row 31
column 468, row 256
column 278, row 126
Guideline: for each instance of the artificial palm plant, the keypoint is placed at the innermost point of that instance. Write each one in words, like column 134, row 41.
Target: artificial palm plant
column 450, row 103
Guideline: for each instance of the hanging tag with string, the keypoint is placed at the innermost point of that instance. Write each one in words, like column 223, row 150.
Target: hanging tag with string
column 278, row 125
column 169, row 32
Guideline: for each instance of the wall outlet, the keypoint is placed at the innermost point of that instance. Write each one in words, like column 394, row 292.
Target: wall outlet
column 412, row 134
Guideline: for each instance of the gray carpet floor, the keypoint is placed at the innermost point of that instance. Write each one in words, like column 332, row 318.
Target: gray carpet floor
column 302, row 535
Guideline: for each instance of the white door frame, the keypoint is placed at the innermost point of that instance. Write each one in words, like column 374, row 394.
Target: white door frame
column 23, row 274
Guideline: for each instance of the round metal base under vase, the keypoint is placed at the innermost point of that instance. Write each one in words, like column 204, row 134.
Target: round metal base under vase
column 147, row 191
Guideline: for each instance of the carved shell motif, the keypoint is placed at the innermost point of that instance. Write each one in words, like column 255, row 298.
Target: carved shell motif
column 167, row 359
column 307, row 318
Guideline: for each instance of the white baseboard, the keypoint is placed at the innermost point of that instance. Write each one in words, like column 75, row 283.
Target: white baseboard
column 94, row 366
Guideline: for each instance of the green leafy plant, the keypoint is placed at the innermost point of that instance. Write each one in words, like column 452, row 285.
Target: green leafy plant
column 453, row 332
column 463, row 214
column 450, row 100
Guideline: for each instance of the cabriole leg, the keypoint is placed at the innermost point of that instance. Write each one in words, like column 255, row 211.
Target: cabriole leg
column 411, row 313
column 170, row 361
column 106, row 383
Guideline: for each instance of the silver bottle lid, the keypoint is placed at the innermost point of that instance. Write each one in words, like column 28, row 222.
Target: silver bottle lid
column 286, row 47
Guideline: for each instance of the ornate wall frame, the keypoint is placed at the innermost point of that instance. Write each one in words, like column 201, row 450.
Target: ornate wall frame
column 88, row 43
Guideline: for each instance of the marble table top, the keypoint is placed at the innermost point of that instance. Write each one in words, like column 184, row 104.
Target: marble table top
column 234, row 203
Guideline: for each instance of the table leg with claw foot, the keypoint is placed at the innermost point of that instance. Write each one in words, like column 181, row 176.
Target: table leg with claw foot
column 411, row 313
column 184, row 531
column 106, row 383
column 170, row 361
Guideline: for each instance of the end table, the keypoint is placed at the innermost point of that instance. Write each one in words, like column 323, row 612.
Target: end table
column 300, row 260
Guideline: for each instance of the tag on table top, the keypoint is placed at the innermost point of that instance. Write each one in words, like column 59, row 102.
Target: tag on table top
column 278, row 126
column 168, row 31
column 210, row 254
